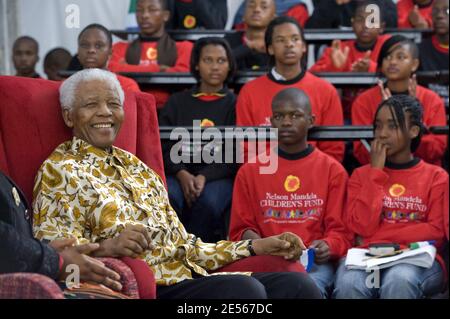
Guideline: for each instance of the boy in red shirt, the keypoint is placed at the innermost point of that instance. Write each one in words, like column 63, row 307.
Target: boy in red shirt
column 305, row 195
column 397, row 198
column 286, row 46
column 414, row 14
column 358, row 55
column 248, row 45
column 398, row 60
column 154, row 50
column 94, row 51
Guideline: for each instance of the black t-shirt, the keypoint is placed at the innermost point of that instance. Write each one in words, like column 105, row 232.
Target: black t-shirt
column 193, row 14
column 246, row 58
column 181, row 110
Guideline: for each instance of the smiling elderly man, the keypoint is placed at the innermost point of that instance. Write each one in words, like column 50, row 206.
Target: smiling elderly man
column 95, row 192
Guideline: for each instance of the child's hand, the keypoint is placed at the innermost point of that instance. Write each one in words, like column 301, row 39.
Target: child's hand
column 363, row 64
column 385, row 92
column 322, row 251
column 199, row 184
column 412, row 85
column 378, row 154
column 416, row 19
column 339, row 2
column 338, row 56
column 163, row 68
column 186, row 180
column 256, row 45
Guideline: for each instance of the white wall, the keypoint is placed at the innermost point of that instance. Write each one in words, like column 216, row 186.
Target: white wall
column 45, row 20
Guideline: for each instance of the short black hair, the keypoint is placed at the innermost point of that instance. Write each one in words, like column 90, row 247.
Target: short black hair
column 197, row 50
column 292, row 94
column 98, row 27
column 268, row 36
column 401, row 104
column 387, row 46
column 26, row 38
column 58, row 57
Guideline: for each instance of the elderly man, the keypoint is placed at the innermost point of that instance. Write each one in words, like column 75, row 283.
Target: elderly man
column 95, row 192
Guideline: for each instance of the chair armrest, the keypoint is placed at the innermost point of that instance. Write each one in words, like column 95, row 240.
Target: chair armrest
column 263, row 264
column 28, row 286
column 127, row 278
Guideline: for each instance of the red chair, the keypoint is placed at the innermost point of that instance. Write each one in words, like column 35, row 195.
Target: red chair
column 31, row 127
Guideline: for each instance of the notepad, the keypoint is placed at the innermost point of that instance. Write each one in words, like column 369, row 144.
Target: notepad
column 422, row 257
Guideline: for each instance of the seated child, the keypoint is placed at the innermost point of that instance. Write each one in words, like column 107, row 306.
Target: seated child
column 305, row 196
column 200, row 193
column 397, row 198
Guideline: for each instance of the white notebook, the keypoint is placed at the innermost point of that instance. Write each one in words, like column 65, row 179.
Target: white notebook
column 422, row 257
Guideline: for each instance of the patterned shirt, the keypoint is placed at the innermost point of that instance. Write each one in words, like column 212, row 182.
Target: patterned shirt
column 88, row 193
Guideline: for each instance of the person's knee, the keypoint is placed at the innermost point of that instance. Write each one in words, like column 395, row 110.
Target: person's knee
column 349, row 284
column 301, row 286
column 402, row 275
column 242, row 287
column 401, row 281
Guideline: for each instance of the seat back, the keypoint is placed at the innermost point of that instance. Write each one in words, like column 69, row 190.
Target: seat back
column 31, row 127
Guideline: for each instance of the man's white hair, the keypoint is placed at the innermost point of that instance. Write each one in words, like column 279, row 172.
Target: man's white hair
column 68, row 88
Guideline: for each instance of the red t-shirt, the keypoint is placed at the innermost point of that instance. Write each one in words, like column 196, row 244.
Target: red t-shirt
column 305, row 196
column 149, row 56
column 325, row 64
column 446, row 211
column 432, row 147
column 299, row 12
column 254, row 105
column 401, row 205
column 404, row 7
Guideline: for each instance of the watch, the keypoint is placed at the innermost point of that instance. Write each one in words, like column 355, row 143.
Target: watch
column 250, row 248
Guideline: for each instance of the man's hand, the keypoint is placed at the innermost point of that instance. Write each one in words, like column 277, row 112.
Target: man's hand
column 199, row 184
column 338, row 56
column 385, row 92
column 363, row 64
column 91, row 270
column 416, row 20
column 60, row 244
column 287, row 245
column 378, row 152
column 186, row 180
column 132, row 242
column 322, row 251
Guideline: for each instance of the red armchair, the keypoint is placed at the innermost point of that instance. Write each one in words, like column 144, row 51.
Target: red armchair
column 31, row 127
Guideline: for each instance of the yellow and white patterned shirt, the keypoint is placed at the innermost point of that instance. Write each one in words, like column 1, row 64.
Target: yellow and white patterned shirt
column 85, row 192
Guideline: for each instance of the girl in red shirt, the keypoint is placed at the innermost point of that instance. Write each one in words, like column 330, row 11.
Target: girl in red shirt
column 398, row 61
column 397, row 198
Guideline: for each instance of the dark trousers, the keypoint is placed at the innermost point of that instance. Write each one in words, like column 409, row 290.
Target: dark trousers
column 206, row 216
column 282, row 285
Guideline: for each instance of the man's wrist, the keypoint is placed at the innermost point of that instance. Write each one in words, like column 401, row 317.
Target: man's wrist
column 106, row 249
column 250, row 248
